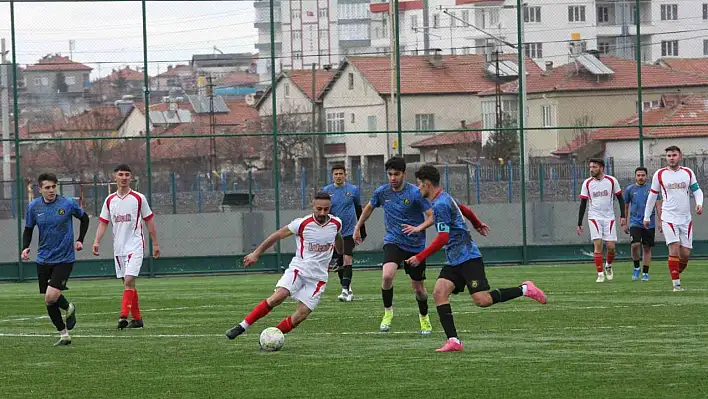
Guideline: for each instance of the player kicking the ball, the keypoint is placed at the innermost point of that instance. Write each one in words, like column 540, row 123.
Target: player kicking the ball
column 675, row 183
column 599, row 190
column 126, row 210
column 306, row 277
column 464, row 266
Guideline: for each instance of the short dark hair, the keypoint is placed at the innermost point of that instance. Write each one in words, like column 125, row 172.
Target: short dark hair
column 338, row 167
column 47, row 177
column 672, row 148
column 642, row 169
column 428, row 172
column 123, row 168
column 323, row 196
column 396, row 163
column 598, row 161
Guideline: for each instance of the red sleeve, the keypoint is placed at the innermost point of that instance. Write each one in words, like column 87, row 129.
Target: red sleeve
column 434, row 246
column 467, row 213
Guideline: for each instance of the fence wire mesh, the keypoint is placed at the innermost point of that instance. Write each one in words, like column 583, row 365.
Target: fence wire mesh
column 233, row 113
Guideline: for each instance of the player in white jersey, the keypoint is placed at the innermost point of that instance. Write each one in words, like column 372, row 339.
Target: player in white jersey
column 126, row 210
column 600, row 190
column 306, row 277
column 675, row 183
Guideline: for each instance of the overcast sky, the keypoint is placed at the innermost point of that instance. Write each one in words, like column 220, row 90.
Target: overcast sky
column 108, row 35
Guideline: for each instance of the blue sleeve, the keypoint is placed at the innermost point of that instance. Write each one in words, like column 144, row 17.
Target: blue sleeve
column 31, row 220
column 376, row 198
column 627, row 195
column 442, row 216
column 76, row 209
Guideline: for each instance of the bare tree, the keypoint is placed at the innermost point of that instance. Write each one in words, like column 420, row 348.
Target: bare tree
column 293, row 141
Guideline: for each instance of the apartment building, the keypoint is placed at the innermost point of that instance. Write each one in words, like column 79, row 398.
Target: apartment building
column 326, row 31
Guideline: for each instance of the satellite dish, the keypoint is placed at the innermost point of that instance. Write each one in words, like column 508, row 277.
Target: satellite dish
column 250, row 99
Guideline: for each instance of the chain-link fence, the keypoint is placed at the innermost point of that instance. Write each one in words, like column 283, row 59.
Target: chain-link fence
column 233, row 113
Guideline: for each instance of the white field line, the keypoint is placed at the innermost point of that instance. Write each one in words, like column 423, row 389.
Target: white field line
column 26, row 318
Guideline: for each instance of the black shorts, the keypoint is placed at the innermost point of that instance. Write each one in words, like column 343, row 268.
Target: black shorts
column 54, row 275
column 469, row 273
column 394, row 254
column 642, row 235
column 348, row 245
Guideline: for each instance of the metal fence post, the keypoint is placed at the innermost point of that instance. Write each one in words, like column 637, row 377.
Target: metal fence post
column 173, row 185
column 468, row 183
column 95, row 196
column 476, row 184
column 541, row 180
column 303, row 188
column 510, row 172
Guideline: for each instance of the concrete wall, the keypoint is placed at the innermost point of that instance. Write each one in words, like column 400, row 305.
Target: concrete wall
column 218, row 234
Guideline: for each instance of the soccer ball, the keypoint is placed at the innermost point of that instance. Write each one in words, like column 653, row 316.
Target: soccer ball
column 272, row 339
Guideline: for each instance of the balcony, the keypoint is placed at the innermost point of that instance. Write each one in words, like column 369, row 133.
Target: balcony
column 263, row 18
column 615, row 19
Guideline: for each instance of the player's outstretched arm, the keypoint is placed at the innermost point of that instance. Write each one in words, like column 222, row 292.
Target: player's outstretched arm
column 281, row 234
column 408, row 229
column 581, row 214
column 152, row 230
column 100, row 231
column 480, row 226
column 365, row 215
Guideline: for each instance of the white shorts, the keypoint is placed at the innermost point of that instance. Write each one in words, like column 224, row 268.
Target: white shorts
column 303, row 289
column 128, row 265
column 605, row 230
column 681, row 233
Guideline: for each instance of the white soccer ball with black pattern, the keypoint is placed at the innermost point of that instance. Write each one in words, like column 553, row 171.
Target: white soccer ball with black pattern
column 272, row 339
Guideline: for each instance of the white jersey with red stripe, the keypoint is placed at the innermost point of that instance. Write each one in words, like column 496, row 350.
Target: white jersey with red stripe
column 675, row 188
column 126, row 214
column 314, row 245
column 600, row 194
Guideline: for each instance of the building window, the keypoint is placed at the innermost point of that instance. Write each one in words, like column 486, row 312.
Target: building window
column 534, row 50
column 705, row 11
column 324, row 35
column 384, row 26
column 603, row 14
column 70, row 80
column 436, row 20
column 296, row 14
column 532, row 14
column 576, row 14
column 604, row 47
column 297, row 35
column 669, row 48
column 466, row 17
column 323, row 13
column 45, row 81
column 424, row 122
column 286, row 89
column 669, row 12
column 510, row 109
column 335, row 122
column 351, row 81
column 493, row 17
column 453, row 19
column 371, row 125
column 548, row 115
column 37, row 81
column 705, row 47
column 414, row 22
column 297, row 55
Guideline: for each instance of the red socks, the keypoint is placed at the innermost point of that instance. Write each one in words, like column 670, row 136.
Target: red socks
column 674, row 266
column 135, row 310
column 258, row 312
column 610, row 256
column 127, row 303
column 682, row 266
column 286, row 325
column 597, row 256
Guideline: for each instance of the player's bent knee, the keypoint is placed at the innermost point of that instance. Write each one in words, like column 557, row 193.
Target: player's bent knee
column 278, row 297
column 482, row 299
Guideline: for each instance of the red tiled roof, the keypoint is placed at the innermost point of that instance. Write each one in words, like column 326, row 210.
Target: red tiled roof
column 238, row 78
column 57, row 63
column 452, row 138
column 696, row 66
column 457, row 73
column 690, row 110
column 402, row 6
column 572, row 77
column 127, row 73
column 177, row 70
column 303, row 80
column 105, row 118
